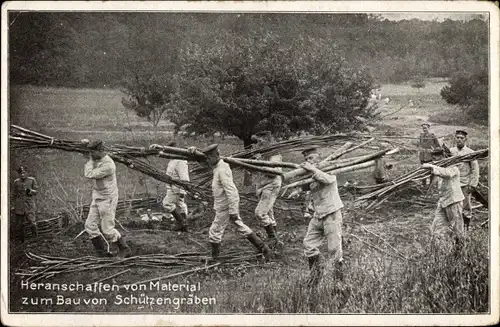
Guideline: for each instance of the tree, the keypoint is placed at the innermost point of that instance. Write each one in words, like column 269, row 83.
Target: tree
column 150, row 97
column 470, row 92
column 244, row 84
column 418, row 82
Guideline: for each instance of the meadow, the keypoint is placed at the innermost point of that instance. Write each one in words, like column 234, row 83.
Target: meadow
column 391, row 265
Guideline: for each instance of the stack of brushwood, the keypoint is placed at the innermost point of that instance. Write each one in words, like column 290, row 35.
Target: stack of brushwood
column 47, row 227
column 124, row 207
column 47, row 266
column 382, row 192
column 21, row 138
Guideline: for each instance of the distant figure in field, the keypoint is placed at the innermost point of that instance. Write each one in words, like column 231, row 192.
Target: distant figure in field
column 428, row 145
column 469, row 173
column 448, row 221
column 25, row 189
column 267, row 189
column 379, row 95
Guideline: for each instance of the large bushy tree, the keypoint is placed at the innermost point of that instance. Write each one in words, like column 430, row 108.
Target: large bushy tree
column 242, row 85
column 149, row 97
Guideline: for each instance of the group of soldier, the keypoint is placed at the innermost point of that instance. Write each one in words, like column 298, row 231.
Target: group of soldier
column 454, row 184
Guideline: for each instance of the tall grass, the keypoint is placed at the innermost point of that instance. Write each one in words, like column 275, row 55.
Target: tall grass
column 435, row 282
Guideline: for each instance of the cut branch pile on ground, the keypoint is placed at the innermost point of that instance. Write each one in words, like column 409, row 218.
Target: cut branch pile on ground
column 125, row 206
column 386, row 190
column 47, row 266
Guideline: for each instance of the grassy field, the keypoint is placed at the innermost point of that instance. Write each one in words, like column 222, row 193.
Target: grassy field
column 390, row 266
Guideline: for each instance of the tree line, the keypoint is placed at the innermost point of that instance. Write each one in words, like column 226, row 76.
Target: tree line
column 101, row 49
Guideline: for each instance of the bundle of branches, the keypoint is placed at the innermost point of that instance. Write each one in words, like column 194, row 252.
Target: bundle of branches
column 203, row 176
column 47, row 266
column 22, row 138
column 303, row 177
column 124, row 206
column 386, row 190
column 45, row 227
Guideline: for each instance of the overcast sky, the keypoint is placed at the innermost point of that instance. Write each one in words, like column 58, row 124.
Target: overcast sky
column 433, row 15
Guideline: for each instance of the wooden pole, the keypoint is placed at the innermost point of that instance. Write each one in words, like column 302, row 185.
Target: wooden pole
column 337, row 153
column 333, row 172
column 331, row 165
column 266, row 170
column 341, row 153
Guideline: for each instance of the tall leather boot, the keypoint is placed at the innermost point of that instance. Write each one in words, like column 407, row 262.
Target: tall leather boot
column 215, row 250
column 123, row 249
column 260, row 245
column 272, row 234
column 315, row 271
column 34, row 230
column 466, row 219
column 180, row 218
column 270, row 231
column 100, row 247
column 277, row 242
column 339, row 271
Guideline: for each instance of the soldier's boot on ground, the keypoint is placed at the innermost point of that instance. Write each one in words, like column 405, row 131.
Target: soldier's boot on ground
column 272, row 235
column 123, row 249
column 315, row 271
column 459, row 245
column 278, row 243
column 100, row 247
column 34, row 230
column 339, row 271
column 260, row 245
column 215, row 250
column 180, row 218
column 466, row 219
column 19, row 233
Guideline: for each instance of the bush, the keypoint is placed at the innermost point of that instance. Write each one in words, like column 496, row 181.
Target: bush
column 470, row 93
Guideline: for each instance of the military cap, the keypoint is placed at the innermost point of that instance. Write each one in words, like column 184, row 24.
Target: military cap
column 426, row 124
column 460, row 132
column 212, row 148
column 309, row 150
column 96, row 145
column 22, row 169
column 172, row 143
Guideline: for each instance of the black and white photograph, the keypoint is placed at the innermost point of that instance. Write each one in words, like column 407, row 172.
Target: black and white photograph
column 249, row 163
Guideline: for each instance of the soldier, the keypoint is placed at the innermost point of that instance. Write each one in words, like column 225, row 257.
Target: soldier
column 267, row 189
column 25, row 189
column 174, row 199
column 469, row 173
column 226, row 204
column 101, row 169
column 448, row 215
column 326, row 222
column 428, row 144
